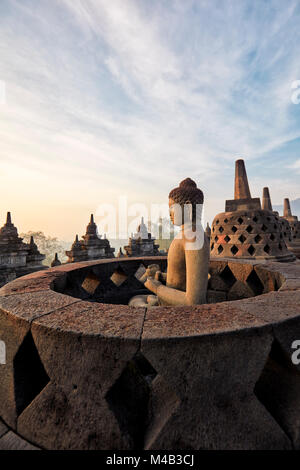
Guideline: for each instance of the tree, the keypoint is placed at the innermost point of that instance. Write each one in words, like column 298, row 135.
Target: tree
column 47, row 246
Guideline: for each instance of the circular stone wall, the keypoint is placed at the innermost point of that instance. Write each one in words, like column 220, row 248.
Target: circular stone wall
column 84, row 374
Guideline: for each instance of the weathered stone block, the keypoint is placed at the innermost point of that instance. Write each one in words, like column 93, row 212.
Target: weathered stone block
column 84, row 349
column 12, row 441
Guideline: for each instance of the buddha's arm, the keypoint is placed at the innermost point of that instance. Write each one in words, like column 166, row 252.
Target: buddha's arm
column 197, row 263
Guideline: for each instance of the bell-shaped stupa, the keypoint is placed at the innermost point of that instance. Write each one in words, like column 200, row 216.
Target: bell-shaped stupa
column 56, row 261
column 291, row 221
column 92, row 246
column 246, row 230
column 142, row 243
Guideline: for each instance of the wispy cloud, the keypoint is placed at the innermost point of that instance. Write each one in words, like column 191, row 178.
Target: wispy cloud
column 131, row 96
column 296, row 166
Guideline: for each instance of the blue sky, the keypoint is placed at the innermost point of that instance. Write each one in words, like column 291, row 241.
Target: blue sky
column 127, row 97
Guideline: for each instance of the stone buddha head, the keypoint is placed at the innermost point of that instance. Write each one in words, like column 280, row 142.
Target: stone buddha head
column 185, row 203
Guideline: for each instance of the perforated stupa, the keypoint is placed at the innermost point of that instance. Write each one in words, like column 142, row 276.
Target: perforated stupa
column 291, row 221
column 246, row 230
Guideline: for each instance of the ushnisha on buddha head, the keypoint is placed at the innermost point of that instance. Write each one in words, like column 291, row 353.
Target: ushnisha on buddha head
column 186, row 203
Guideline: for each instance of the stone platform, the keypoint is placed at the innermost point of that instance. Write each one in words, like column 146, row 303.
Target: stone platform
column 85, row 371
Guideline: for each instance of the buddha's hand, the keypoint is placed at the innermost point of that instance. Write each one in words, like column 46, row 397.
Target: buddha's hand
column 152, row 270
column 152, row 284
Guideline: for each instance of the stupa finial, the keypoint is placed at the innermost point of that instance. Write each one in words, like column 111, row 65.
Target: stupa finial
column 241, row 186
column 287, row 208
column 266, row 200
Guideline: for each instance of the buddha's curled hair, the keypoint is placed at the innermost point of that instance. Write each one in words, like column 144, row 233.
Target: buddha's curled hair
column 187, row 193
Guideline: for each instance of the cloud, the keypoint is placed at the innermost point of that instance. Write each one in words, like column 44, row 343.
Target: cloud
column 132, row 96
column 295, row 166
column 225, row 89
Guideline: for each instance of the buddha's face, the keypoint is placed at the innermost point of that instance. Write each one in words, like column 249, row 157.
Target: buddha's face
column 175, row 210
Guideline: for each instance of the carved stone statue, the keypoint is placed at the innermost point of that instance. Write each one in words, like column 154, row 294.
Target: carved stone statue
column 185, row 282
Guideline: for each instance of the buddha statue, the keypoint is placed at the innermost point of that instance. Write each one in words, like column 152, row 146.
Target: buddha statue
column 185, row 282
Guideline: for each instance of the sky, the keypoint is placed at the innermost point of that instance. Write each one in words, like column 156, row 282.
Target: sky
column 128, row 97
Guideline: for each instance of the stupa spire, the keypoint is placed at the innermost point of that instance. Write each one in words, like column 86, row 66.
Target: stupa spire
column 266, row 200
column 287, row 208
column 120, row 253
column 56, row 261
column 8, row 229
column 8, row 218
column 241, row 186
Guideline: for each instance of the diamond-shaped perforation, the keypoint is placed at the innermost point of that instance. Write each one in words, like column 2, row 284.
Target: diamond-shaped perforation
column 249, row 228
column 90, row 283
column 267, row 249
column 140, row 272
column 275, row 386
column 234, row 229
column 221, row 230
column 234, row 249
column 242, row 238
column 216, row 238
column 264, row 228
column 255, row 283
column 257, row 239
column 30, row 376
column 272, row 237
column 228, row 277
column 220, row 249
column 240, row 220
column 131, row 400
column 227, row 239
column 251, row 250
column 118, row 277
